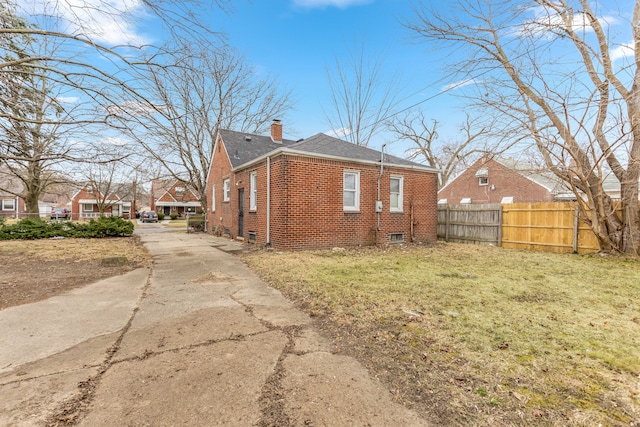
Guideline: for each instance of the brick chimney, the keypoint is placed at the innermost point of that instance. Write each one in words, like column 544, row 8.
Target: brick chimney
column 276, row 131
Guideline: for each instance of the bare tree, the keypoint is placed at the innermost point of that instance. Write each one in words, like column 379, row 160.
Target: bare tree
column 360, row 100
column 212, row 89
column 35, row 130
column 550, row 69
column 448, row 156
column 50, row 53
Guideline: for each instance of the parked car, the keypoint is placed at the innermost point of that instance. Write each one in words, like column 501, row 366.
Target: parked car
column 148, row 216
column 60, row 213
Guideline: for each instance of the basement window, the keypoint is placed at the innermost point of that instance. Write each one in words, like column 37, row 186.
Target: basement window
column 396, row 237
column 252, row 236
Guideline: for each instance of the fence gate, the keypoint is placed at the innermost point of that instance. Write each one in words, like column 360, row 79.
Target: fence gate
column 471, row 223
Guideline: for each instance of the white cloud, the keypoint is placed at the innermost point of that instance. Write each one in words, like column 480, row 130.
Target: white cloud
column 458, row 85
column 338, row 133
column 623, row 51
column 68, row 99
column 114, row 140
column 105, row 21
column 341, row 4
column 546, row 21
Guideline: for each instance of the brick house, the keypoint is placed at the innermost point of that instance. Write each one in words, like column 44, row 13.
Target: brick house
column 11, row 206
column 495, row 180
column 173, row 196
column 321, row 192
column 86, row 202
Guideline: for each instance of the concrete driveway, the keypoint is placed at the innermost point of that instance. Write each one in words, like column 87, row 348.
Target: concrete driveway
column 197, row 341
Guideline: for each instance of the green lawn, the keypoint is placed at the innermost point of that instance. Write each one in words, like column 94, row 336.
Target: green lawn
column 499, row 337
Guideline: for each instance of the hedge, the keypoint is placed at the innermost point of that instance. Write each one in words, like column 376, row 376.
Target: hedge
column 30, row 229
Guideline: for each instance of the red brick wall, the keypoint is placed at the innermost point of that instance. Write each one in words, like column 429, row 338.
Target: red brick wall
column 220, row 169
column 307, row 204
column 506, row 183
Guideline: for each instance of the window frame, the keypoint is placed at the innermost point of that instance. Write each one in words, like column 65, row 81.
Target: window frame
column 355, row 191
column 13, row 204
column 226, row 190
column 253, row 191
column 84, row 207
column 400, row 194
column 483, row 181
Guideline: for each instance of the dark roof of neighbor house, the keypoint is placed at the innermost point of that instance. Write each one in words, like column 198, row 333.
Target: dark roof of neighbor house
column 161, row 186
column 244, row 148
column 10, row 182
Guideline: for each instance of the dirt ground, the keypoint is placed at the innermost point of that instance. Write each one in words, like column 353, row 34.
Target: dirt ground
column 32, row 271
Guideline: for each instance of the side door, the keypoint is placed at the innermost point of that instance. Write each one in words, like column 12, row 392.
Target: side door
column 241, row 212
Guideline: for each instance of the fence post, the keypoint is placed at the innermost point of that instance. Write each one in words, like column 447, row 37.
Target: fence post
column 576, row 226
column 500, row 226
column 446, row 224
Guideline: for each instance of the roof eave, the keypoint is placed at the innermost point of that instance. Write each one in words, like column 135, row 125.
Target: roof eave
column 286, row 150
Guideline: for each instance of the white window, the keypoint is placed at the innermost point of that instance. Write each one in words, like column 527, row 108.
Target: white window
column 8, row 205
column 483, row 180
column 253, row 192
column 465, row 201
column 213, row 198
column 87, row 207
column 226, row 190
column 442, row 201
column 351, row 191
column 396, row 191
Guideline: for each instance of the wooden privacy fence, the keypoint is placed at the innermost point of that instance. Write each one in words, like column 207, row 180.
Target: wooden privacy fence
column 552, row 227
column 470, row 223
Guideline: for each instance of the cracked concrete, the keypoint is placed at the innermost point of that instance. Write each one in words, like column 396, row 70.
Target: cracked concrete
column 201, row 342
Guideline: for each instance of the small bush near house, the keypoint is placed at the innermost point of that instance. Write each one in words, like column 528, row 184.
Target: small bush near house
column 30, row 229
column 173, row 216
column 2, row 221
column 161, row 216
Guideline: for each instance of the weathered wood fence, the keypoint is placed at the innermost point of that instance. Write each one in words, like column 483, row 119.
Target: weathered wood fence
column 552, row 227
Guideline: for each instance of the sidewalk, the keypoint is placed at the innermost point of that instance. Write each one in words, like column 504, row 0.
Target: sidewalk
column 203, row 342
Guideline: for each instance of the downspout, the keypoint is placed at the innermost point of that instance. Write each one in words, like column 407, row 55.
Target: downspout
column 378, row 201
column 268, row 242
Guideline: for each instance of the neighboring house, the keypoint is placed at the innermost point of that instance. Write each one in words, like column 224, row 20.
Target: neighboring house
column 11, row 206
column 85, row 204
column 495, row 180
column 321, row 192
column 173, row 196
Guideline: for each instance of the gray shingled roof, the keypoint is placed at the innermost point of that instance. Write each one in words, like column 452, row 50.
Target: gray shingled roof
column 329, row 146
column 243, row 151
column 244, row 147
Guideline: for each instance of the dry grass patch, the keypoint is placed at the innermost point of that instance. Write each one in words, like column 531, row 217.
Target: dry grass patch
column 79, row 250
column 33, row 270
column 499, row 337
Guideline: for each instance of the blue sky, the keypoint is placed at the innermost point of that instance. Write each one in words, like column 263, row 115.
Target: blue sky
column 295, row 40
